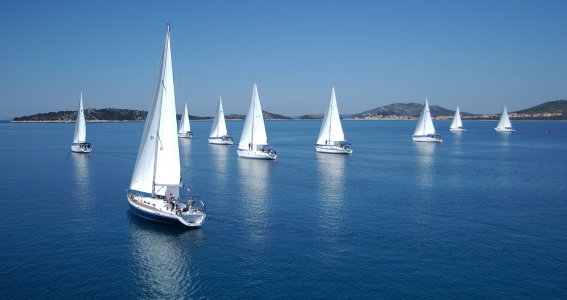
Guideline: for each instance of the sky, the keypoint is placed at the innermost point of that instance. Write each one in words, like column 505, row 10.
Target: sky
column 479, row 55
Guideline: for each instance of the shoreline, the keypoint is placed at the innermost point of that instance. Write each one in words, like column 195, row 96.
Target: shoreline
column 240, row 120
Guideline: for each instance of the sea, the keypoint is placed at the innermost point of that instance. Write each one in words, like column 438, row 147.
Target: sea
column 482, row 215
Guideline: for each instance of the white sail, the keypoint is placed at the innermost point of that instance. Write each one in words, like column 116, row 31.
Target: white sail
column 219, row 124
column 504, row 123
column 80, row 126
column 157, row 169
column 457, row 123
column 254, row 131
column 184, row 125
column 424, row 124
column 331, row 129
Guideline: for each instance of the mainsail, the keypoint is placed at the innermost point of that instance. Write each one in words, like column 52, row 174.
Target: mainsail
column 80, row 126
column 504, row 122
column 157, row 169
column 184, row 125
column 424, row 124
column 457, row 123
column 219, row 124
column 331, row 129
column 254, row 131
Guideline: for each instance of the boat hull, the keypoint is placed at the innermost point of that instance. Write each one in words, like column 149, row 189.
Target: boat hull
column 220, row 141
column 504, row 130
column 186, row 135
column 144, row 208
column 457, row 129
column 254, row 154
column 427, row 138
column 333, row 149
column 81, row 148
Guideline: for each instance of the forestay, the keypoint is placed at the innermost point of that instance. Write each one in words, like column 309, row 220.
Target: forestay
column 158, row 157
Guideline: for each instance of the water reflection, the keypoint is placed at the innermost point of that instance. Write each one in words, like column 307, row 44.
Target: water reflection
column 184, row 153
column 505, row 139
column 425, row 153
column 164, row 259
column 81, row 179
column 332, row 170
column 255, row 195
column 220, row 156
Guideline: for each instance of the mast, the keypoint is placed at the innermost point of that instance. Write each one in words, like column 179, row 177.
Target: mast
column 157, row 170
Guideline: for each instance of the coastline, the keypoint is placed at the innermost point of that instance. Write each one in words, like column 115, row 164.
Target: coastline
column 240, row 120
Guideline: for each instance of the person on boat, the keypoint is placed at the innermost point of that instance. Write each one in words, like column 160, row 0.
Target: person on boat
column 170, row 200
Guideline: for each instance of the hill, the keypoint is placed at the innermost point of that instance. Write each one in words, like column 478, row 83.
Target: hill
column 91, row 114
column 117, row 114
column 403, row 111
column 557, row 106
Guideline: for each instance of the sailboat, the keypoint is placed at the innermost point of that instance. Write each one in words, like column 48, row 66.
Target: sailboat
column 425, row 131
column 254, row 138
column 504, row 124
column 184, row 127
column 80, row 144
column 331, row 136
column 457, row 124
column 154, row 190
column 219, row 134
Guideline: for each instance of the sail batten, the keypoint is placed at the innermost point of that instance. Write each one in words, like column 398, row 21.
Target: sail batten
column 331, row 130
column 254, row 130
column 158, row 156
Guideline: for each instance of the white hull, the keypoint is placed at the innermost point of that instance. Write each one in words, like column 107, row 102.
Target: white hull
column 427, row 138
column 333, row 149
column 255, row 154
column 79, row 149
column 186, row 135
column 505, row 129
column 220, row 141
column 160, row 211
column 457, row 129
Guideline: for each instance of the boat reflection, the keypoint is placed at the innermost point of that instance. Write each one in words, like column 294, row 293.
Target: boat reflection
column 165, row 266
column 505, row 139
column 220, row 156
column 332, row 170
column 255, row 195
column 184, row 153
column 81, row 180
column 425, row 153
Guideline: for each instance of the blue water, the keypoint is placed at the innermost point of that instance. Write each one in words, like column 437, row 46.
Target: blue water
column 480, row 216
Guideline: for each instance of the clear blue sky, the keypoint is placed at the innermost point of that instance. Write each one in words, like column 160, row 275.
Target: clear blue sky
column 479, row 55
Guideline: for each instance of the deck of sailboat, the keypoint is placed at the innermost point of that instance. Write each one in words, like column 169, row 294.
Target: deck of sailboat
column 256, row 154
column 221, row 140
column 160, row 211
column 332, row 149
column 427, row 138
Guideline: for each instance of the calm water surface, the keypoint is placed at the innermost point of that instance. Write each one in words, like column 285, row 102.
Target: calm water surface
column 480, row 216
